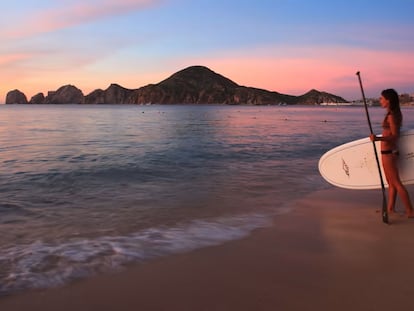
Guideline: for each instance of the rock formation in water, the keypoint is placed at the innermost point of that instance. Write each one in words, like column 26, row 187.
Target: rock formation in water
column 114, row 94
column 67, row 94
column 193, row 85
column 315, row 97
column 16, row 97
column 38, row 99
column 96, row 97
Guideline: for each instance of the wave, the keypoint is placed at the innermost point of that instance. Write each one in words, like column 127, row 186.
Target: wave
column 48, row 264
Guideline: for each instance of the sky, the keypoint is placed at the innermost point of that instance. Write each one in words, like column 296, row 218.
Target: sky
column 288, row 46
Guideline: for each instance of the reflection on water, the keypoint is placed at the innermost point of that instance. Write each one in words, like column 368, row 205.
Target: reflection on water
column 75, row 177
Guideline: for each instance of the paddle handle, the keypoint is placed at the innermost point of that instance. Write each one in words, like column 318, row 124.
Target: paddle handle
column 365, row 102
column 384, row 198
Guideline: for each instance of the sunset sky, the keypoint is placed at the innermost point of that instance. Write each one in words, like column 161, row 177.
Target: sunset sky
column 289, row 46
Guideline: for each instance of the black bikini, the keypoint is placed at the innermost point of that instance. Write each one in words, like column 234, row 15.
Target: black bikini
column 393, row 152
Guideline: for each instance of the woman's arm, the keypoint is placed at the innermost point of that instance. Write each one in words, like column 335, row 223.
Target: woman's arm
column 394, row 132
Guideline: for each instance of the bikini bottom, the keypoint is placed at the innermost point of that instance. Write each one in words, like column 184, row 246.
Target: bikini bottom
column 395, row 152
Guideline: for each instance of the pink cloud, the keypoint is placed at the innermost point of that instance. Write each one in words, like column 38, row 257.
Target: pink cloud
column 77, row 13
column 11, row 59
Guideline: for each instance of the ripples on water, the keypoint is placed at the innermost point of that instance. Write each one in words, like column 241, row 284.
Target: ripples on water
column 86, row 189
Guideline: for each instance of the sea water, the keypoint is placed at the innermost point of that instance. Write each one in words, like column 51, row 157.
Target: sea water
column 90, row 189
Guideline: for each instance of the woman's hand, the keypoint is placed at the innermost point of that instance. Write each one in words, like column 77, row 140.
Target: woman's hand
column 372, row 137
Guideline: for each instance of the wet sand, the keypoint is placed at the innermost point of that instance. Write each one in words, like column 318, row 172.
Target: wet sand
column 331, row 253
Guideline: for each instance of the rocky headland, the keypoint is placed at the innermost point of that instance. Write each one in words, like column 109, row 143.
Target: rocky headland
column 193, row 85
column 16, row 97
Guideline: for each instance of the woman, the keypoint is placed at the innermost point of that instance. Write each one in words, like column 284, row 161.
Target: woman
column 389, row 150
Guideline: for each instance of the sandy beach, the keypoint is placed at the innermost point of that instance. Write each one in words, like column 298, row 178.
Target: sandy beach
column 331, row 253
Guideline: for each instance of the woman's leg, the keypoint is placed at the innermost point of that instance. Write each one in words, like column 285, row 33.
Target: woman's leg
column 394, row 181
column 392, row 191
column 392, row 198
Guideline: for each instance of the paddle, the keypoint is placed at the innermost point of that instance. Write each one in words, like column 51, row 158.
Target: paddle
column 384, row 198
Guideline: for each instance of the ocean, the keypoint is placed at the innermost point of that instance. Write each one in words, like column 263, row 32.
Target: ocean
column 91, row 189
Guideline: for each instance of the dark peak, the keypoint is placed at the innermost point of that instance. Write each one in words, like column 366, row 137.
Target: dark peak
column 68, row 86
column 318, row 97
column 114, row 84
column 194, row 70
column 198, row 75
column 313, row 92
column 117, row 86
column 96, row 91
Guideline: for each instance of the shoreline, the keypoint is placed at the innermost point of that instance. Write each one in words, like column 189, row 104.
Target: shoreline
column 331, row 252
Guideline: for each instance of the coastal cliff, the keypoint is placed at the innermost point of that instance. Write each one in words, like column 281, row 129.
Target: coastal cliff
column 193, row 85
column 16, row 97
column 67, row 94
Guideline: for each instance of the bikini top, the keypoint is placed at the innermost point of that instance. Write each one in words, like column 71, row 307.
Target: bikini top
column 385, row 123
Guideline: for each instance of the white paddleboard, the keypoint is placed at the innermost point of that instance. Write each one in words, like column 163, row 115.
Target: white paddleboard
column 353, row 165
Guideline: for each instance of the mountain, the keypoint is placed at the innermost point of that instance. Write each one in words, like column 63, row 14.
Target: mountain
column 200, row 85
column 193, row 85
column 315, row 97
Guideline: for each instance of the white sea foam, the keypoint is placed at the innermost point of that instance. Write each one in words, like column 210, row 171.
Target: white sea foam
column 42, row 265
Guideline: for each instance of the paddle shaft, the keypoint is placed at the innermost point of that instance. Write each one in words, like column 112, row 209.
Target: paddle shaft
column 384, row 198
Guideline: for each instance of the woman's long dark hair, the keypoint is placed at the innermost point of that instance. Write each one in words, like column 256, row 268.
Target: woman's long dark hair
column 392, row 96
